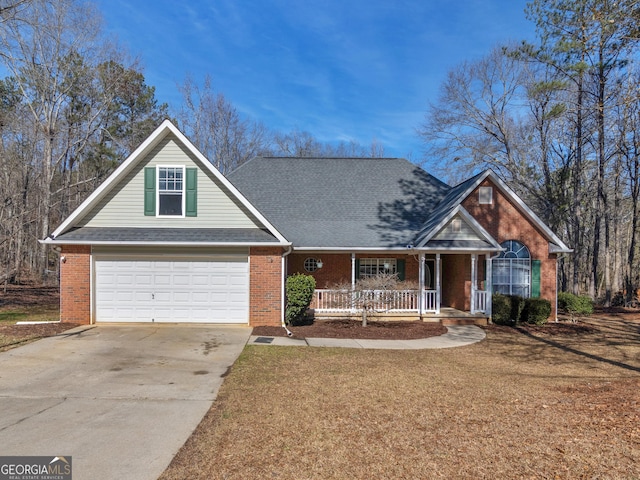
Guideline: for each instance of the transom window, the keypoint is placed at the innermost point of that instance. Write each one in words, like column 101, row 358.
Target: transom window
column 371, row 267
column 512, row 270
column 170, row 191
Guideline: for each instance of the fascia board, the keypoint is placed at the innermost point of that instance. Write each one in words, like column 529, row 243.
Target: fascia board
column 49, row 241
column 354, row 249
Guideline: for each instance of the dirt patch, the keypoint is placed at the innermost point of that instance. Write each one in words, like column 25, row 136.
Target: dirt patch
column 354, row 329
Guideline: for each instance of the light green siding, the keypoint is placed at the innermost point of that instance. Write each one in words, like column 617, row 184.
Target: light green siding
column 449, row 233
column 123, row 206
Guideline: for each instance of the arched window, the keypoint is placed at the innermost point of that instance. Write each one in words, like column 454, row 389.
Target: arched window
column 512, row 270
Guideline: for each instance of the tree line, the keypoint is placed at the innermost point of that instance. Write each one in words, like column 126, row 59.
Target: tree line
column 73, row 105
column 559, row 119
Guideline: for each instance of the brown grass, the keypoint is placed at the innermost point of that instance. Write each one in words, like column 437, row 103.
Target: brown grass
column 28, row 303
column 521, row 404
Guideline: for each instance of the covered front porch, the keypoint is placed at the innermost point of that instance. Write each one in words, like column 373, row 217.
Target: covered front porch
column 449, row 287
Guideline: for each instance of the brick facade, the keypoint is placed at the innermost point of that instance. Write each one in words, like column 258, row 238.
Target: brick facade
column 265, row 286
column 503, row 220
column 336, row 267
column 75, row 284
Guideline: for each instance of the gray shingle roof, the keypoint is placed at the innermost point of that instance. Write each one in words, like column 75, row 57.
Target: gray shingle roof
column 342, row 202
column 167, row 235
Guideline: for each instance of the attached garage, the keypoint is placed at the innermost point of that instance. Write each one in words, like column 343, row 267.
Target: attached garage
column 211, row 289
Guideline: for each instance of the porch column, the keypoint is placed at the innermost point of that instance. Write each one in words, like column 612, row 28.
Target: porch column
column 438, row 284
column 487, row 283
column 353, row 282
column 474, row 279
column 421, row 284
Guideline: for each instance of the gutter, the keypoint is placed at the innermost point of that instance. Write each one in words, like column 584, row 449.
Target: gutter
column 283, row 291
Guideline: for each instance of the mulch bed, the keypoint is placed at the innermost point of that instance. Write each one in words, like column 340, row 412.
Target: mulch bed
column 345, row 328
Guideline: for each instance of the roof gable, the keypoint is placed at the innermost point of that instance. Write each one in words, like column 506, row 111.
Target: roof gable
column 462, row 191
column 468, row 234
column 118, row 202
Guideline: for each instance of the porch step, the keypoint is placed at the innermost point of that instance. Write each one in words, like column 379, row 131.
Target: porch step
column 482, row 321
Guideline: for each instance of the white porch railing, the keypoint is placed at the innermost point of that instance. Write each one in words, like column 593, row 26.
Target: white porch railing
column 380, row 300
column 481, row 301
column 328, row 301
column 429, row 301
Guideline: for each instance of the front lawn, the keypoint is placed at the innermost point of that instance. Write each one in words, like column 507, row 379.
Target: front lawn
column 521, row 404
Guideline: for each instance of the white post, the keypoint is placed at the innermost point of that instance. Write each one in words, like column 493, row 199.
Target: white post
column 437, row 284
column 473, row 282
column 488, row 285
column 421, row 285
column 353, row 282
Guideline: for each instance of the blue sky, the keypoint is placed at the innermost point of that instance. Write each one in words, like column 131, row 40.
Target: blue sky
column 339, row 69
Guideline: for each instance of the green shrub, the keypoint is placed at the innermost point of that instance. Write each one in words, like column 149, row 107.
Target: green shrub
column 501, row 309
column 536, row 311
column 574, row 304
column 300, row 290
column 517, row 305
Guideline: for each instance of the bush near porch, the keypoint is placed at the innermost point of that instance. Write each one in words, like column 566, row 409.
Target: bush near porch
column 513, row 309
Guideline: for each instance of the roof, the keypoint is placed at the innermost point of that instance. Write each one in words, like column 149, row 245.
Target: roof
column 167, row 236
column 341, row 202
column 368, row 203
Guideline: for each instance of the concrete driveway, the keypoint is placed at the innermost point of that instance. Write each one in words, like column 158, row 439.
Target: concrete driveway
column 120, row 400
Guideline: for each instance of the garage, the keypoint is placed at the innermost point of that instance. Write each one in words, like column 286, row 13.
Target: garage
column 213, row 289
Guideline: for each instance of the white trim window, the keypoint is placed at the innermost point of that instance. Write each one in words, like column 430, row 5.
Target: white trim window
column 171, row 196
column 372, row 267
column 512, row 270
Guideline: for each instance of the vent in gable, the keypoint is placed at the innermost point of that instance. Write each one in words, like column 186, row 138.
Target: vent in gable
column 485, row 195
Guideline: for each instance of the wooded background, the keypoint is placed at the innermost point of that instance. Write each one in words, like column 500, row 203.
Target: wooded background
column 558, row 119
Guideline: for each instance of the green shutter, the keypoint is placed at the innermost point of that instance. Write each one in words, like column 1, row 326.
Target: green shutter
column 191, row 209
column 150, row 191
column 400, row 264
column 357, row 269
column 535, row 278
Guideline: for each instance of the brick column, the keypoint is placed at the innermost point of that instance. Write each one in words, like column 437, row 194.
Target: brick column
column 75, row 284
column 265, row 288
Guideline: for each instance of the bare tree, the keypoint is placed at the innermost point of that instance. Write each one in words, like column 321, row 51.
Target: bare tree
column 217, row 128
column 52, row 51
column 369, row 295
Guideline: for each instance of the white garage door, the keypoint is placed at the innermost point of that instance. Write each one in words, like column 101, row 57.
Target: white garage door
column 176, row 290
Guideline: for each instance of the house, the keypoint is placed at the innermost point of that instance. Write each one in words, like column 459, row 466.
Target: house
column 168, row 238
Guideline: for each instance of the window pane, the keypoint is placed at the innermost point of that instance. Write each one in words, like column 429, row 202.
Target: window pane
column 370, row 267
column 511, row 272
column 170, row 204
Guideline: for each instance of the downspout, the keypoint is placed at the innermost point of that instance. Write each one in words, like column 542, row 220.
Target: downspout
column 283, row 292
column 61, row 259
